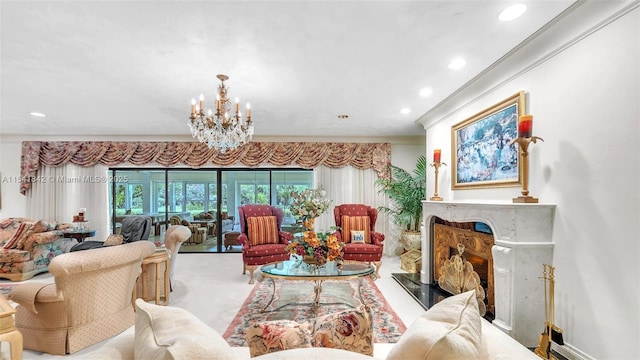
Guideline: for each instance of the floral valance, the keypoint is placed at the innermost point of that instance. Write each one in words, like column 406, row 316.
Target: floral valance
column 376, row 156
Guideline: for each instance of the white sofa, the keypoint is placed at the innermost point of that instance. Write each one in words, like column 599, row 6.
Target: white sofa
column 452, row 329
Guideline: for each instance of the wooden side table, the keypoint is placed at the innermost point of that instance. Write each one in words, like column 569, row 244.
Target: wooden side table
column 79, row 235
column 8, row 331
column 160, row 280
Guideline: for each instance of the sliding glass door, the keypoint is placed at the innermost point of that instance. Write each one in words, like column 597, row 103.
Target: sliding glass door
column 207, row 198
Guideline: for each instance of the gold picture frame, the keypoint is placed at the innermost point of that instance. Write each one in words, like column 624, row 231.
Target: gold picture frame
column 481, row 155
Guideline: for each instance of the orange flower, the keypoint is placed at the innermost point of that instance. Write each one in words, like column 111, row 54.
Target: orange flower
column 308, row 224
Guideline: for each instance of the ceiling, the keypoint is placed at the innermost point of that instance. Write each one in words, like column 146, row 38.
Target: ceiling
column 132, row 67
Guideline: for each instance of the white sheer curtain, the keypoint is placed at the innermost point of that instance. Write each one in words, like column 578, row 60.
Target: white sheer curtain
column 349, row 185
column 60, row 192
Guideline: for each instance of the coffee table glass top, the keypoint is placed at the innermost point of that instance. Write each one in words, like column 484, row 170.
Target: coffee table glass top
column 296, row 268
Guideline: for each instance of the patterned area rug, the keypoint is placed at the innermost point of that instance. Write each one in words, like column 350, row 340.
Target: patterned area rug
column 293, row 301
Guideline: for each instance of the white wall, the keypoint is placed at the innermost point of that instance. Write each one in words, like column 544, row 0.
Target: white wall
column 12, row 203
column 584, row 95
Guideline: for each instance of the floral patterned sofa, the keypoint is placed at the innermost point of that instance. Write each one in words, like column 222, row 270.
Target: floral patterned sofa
column 27, row 246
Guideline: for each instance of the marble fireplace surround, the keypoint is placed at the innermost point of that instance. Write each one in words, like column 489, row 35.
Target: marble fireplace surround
column 523, row 242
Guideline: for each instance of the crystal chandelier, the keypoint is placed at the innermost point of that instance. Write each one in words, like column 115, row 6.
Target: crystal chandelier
column 220, row 130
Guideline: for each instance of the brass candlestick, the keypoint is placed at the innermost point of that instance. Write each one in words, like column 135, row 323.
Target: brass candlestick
column 523, row 143
column 435, row 196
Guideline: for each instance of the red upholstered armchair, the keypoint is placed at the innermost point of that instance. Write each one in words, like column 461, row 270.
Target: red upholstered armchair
column 358, row 232
column 260, row 236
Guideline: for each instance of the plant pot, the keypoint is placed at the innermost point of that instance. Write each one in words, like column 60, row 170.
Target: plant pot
column 411, row 240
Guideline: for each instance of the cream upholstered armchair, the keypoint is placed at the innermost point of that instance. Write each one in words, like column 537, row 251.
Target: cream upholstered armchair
column 173, row 239
column 89, row 302
column 261, row 237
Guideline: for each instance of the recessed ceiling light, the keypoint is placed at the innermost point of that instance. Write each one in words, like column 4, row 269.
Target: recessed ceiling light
column 512, row 12
column 343, row 116
column 405, row 111
column 37, row 114
column 457, row 64
column 426, row 92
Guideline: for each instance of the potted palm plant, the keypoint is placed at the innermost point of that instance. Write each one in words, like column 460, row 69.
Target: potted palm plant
column 406, row 192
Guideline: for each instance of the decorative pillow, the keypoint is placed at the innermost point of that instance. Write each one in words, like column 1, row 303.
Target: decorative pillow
column 185, row 222
column 350, row 330
column 358, row 223
column 51, row 225
column 64, row 226
column 23, row 232
column 357, row 236
column 451, row 329
column 113, row 240
column 262, row 230
column 271, row 336
column 224, row 215
column 40, row 226
column 165, row 332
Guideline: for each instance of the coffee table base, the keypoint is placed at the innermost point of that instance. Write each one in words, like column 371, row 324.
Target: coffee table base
column 317, row 290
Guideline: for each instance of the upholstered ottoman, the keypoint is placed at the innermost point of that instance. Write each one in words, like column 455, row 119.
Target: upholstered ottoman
column 230, row 239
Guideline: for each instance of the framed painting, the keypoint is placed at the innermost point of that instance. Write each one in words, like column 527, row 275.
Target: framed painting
column 481, row 154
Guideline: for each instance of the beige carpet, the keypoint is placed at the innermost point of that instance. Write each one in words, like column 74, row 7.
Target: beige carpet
column 212, row 287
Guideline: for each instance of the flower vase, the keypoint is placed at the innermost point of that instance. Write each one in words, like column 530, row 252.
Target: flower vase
column 310, row 260
column 313, row 265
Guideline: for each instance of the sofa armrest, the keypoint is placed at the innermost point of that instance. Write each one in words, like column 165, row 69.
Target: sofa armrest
column 40, row 238
column 244, row 240
column 28, row 294
column 285, row 237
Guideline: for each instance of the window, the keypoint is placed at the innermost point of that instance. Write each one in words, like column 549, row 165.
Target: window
column 161, row 193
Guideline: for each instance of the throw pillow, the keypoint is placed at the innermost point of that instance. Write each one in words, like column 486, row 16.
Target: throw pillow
column 350, row 330
column 277, row 335
column 51, row 226
column 451, row 329
column 358, row 223
column 21, row 234
column 64, row 226
column 262, row 230
column 185, row 222
column 40, row 226
column 113, row 240
column 165, row 332
column 224, row 215
column 357, row 236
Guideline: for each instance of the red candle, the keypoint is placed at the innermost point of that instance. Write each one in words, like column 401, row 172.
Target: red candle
column 525, row 125
column 436, row 155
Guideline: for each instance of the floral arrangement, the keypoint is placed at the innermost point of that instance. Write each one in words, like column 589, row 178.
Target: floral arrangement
column 309, row 203
column 316, row 247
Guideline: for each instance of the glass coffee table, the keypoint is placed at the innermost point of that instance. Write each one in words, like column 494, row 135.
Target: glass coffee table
column 297, row 270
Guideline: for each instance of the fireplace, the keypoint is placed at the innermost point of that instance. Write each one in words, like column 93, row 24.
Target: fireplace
column 522, row 243
column 447, row 236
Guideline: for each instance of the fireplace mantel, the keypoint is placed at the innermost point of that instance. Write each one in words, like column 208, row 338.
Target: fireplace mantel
column 523, row 242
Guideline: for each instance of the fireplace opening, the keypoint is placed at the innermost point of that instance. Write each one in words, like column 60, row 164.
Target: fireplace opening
column 480, row 265
column 476, row 240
